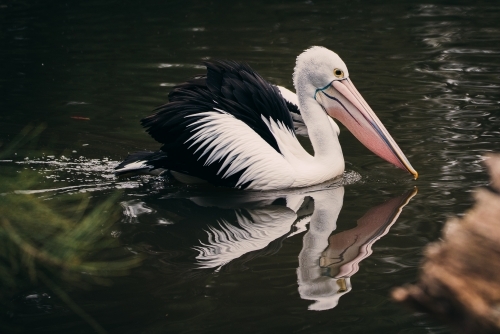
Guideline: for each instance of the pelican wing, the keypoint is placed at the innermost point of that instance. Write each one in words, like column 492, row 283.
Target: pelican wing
column 229, row 86
column 221, row 128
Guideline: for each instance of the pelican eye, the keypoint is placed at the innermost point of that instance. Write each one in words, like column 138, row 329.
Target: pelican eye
column 338, row 73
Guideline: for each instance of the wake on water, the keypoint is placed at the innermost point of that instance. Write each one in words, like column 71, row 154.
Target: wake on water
column 76, row 175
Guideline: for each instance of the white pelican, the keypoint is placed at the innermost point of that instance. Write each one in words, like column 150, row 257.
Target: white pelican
column 230, row 127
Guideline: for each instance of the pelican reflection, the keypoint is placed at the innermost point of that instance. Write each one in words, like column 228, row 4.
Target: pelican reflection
column 328, row 261
column 238, row 228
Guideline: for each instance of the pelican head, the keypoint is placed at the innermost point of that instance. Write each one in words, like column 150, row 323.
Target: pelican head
column 321, row 74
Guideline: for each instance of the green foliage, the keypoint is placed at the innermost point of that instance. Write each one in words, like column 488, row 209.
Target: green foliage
column 49, row 241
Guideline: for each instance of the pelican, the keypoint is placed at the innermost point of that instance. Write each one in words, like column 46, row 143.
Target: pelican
column 232, row 128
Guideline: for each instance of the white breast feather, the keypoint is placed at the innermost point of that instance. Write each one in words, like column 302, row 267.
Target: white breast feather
column 224, row 138
column 287, row 142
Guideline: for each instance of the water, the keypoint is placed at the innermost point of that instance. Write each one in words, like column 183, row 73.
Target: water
column 88, row 72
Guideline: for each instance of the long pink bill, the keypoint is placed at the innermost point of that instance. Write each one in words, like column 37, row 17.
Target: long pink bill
column 342, row 101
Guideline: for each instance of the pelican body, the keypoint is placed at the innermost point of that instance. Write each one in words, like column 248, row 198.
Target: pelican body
column 232, row 128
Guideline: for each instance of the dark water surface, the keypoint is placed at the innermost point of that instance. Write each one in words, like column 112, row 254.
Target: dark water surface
column 221, row 261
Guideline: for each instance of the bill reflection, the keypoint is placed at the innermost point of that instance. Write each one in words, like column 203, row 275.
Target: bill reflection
column 328, row 261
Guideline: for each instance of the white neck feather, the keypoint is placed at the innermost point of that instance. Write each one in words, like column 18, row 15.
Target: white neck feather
column 321, row 133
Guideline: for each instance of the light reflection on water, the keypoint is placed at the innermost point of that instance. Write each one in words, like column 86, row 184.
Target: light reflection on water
column 430, row 71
